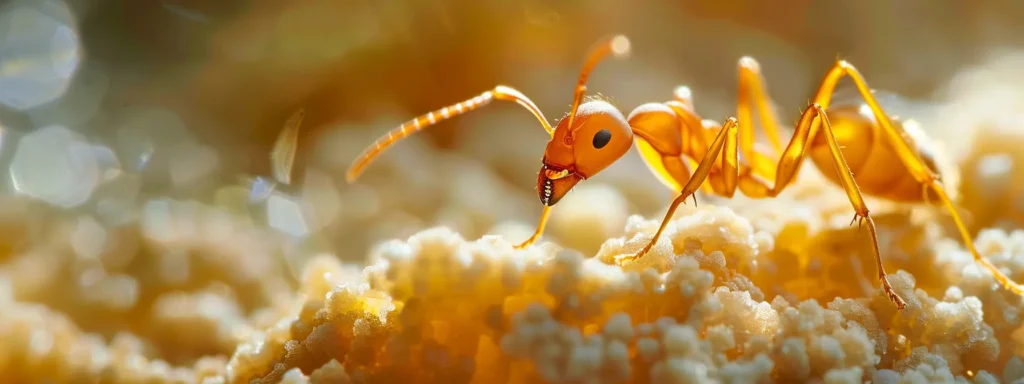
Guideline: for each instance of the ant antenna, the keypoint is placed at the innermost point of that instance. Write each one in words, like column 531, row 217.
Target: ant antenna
column 417, row 124
column 618, row 45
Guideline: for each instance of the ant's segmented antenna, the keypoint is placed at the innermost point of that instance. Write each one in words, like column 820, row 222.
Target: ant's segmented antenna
column 618, row 46
column 500, row 92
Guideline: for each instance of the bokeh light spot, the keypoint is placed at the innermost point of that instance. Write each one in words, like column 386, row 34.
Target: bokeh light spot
column 286, row 215
column 55, row 165
column 39, row 54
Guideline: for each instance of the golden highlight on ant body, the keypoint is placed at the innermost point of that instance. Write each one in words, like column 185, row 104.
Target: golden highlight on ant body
column 685, row 150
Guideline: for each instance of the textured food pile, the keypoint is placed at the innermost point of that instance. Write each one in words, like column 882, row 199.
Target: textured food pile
column 440, row 308
column 720, row 299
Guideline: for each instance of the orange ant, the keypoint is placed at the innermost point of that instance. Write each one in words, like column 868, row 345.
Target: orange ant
column 670, row 136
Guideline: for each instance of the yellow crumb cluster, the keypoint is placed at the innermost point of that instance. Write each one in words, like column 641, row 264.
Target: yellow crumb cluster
column 439, row 308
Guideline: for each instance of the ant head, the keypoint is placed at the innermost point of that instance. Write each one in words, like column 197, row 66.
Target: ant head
column 593, row 136
column 599, row 136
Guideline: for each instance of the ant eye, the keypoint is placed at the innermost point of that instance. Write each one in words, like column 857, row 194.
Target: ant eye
column 601, row 138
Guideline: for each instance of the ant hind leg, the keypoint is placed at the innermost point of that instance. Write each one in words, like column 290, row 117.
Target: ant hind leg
column 1003, row 280
column 910, row 159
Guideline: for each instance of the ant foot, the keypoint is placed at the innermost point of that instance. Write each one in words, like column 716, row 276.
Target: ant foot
column 525, row 244
column 635, row 256
column 1010, row 285
column 859, row 219
column 1013, row 287
column 895, row 298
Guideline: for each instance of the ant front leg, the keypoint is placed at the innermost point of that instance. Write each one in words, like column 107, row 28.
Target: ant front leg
column 539, row 231
column 910, row 158
column 726, row 135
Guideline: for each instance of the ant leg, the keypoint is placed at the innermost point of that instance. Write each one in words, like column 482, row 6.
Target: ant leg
column 910, row 159
column 726, row 134
column 789, row 165
column 540, row 228
column 500, row 92
column 905, row 152
column 752, row 94
column 794, row 155
column 1003, row 280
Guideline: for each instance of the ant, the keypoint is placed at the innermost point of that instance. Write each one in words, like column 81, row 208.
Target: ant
column 670, row 136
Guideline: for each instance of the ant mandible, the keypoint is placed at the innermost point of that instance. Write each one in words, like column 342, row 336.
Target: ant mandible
column 670, row 136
